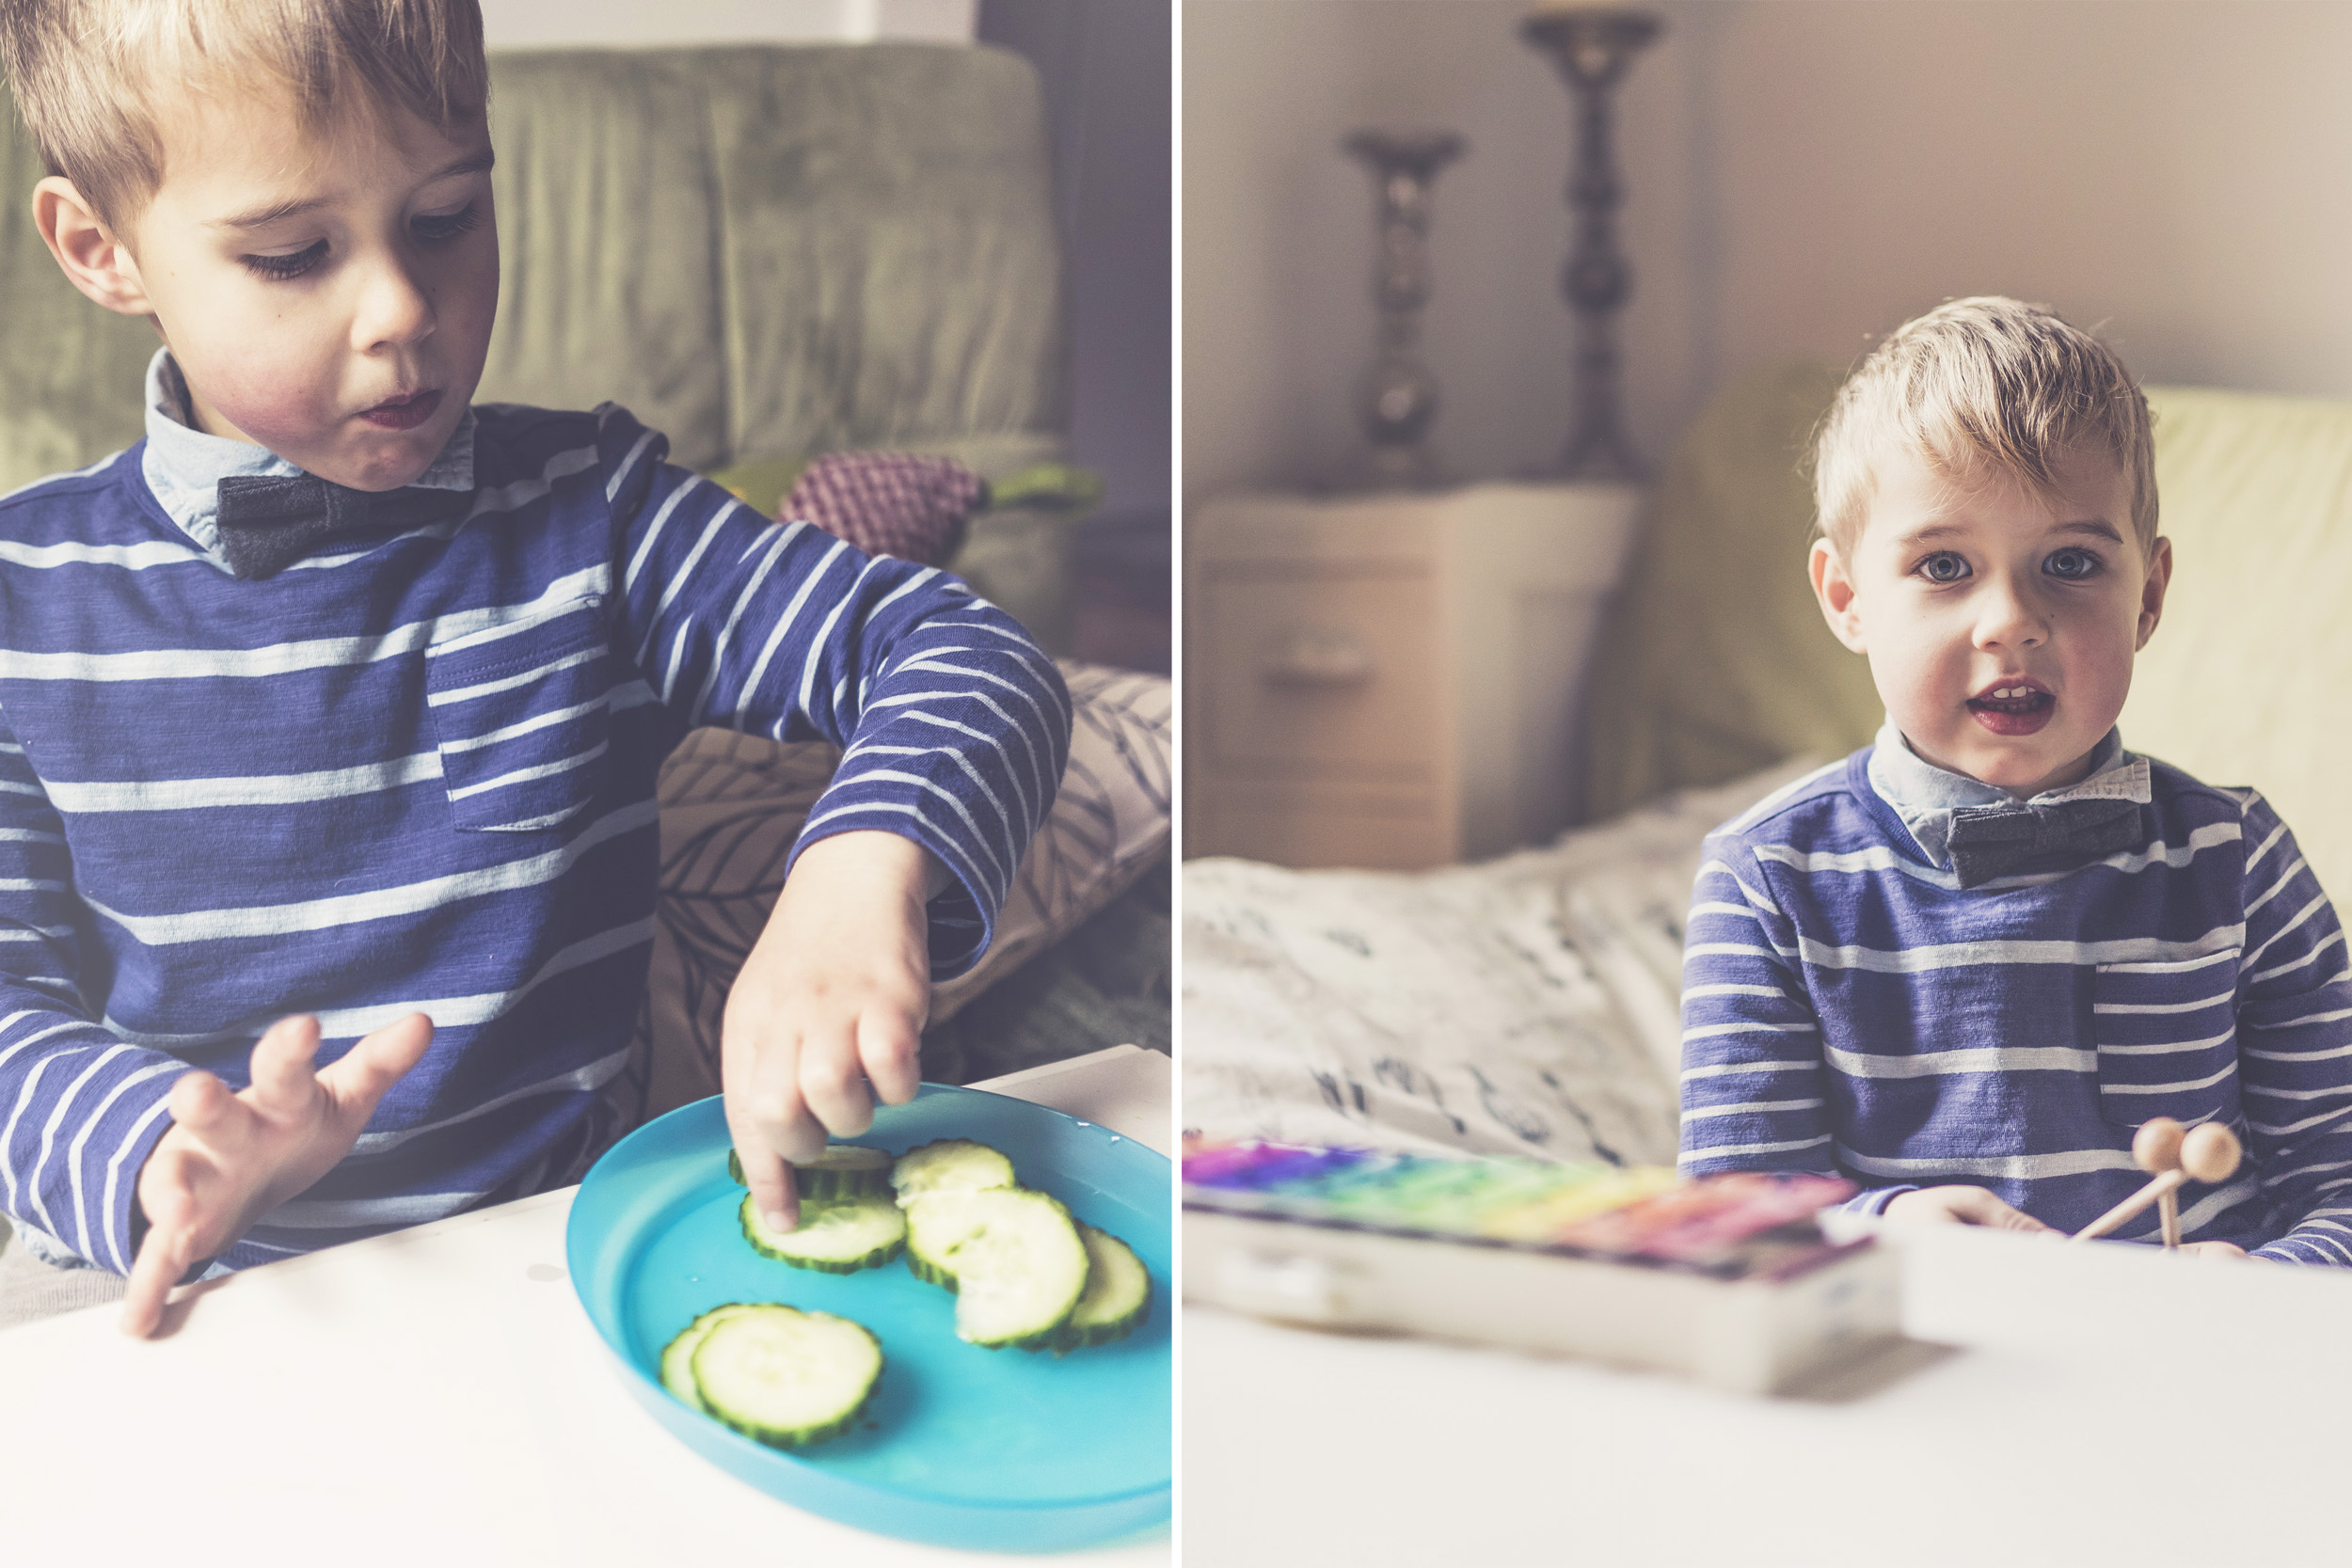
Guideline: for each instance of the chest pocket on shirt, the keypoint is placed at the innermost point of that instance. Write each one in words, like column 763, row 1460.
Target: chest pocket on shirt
column 2167, row 1038
column 521, row 713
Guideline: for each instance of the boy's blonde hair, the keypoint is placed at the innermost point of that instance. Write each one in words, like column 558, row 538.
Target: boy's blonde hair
column 1982, row 383
column 86, row 74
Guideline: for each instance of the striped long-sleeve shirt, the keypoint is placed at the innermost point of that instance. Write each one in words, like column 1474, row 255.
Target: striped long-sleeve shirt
column 1848, row 1007
column 417, row 774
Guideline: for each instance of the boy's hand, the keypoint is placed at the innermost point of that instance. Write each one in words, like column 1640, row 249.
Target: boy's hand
column 828, row 1012
column 1959, row 1205
column 231, row 1158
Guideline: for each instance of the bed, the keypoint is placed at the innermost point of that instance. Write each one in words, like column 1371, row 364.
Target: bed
column 1529, row 1005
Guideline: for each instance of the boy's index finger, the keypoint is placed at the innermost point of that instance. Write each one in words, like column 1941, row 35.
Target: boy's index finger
column 774, row 1193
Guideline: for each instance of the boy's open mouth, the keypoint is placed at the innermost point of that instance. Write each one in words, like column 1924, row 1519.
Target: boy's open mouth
column 2013, row 706
column 404, row 413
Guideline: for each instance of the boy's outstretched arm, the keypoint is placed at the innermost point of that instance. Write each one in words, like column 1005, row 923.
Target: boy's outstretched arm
column 955, row 727
column 2294, row 1047
column 79, row 1109
column 228, row 1158
column 828, row 1010
column 123, row 1153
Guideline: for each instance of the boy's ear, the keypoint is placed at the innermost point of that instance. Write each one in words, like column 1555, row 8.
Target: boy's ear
column 1834, row 589
column 2152, row 592
column 98, row 263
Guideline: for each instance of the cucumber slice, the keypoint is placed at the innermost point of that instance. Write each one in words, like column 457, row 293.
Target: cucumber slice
column 841, row 1236
column 1118, row 1294
column 950, row 1165
column 677, row 1357
column 843, row 1170
column 784, row 1377
column 1012, row 1255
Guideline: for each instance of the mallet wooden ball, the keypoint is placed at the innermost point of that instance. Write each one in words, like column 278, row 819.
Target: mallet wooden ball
column 2208, row 1152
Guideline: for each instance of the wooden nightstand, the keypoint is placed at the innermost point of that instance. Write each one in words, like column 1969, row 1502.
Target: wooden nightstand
column 1391, row 681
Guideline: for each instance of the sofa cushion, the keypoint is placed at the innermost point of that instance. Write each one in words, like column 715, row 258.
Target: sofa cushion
column 1019, row 553
column 732, row 807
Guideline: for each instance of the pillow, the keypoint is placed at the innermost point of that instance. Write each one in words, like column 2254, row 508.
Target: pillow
column 732, row 806
column 887, row 503
column 1527, row 1005
column 1018, row 554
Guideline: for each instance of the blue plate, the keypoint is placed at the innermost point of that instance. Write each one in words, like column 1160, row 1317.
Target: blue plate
column 1007, row 1451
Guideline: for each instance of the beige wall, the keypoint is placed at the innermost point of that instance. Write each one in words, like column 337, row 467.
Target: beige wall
column 570, row 23
column 1802, row 173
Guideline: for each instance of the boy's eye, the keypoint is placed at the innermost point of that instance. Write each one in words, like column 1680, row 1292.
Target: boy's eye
column 2072, row 563
column 292, row 265
column 1943, row 567
column 435, row 228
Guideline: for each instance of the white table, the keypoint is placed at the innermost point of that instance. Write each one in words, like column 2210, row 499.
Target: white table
column 434, row 1399
column 2107, row 1404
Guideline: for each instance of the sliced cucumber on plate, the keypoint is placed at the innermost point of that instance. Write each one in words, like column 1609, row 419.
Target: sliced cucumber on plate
column 839, row 1236
column 950, row 1165
column 1012, row 1257
column 843, row 1170
column 1118, row 1294
column 779, row 1375
column 677, row 1357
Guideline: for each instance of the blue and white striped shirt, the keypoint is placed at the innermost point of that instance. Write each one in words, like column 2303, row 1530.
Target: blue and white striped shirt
column 1848, row 1007
column 418, row 775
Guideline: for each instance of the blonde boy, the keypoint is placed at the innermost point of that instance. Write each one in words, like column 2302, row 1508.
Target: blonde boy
column 1963, row 965
column 337, row 702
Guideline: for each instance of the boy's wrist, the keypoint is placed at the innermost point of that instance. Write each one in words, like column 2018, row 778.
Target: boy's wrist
column 874, row 853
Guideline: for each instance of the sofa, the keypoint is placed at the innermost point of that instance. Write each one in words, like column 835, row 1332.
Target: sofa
column 1530, row 1004
column 769, row 253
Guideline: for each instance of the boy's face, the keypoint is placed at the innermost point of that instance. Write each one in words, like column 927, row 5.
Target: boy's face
column 2000, row 622
column 329, row 298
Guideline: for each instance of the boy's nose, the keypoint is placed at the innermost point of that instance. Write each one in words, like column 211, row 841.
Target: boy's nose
column 2007, row 616
column 395, row 311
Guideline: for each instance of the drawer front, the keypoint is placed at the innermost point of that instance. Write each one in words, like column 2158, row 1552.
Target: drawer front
column 1320, row 826
column 1321, row 671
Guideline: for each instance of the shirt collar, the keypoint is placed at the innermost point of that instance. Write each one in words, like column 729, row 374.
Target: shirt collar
column 184, row 466
column 1926, row 797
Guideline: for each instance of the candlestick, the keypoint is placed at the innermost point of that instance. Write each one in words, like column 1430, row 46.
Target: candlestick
column 1593, row 49
column 1397, row 399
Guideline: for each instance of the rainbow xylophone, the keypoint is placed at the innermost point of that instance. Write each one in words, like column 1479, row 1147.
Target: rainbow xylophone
column 1727, row 1278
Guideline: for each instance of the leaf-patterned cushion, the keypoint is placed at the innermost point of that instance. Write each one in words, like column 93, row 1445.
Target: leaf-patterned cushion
column 732, row 806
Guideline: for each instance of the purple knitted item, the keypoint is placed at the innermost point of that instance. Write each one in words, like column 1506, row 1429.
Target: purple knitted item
column 888, row 503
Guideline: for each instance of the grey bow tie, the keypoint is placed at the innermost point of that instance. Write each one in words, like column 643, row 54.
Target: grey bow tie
column 268, row 522
column 1993, row 841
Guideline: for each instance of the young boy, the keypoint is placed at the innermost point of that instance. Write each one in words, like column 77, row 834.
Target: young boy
column 338, row 702
column 1963, row 965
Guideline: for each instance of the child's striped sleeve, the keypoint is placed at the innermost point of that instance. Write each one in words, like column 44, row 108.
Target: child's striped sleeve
column 2294, row 1047
column 79, row 1109
column 954, row 724
column 1754, row 1082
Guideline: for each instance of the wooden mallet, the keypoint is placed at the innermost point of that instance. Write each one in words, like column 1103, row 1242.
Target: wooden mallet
column 2207, row 1152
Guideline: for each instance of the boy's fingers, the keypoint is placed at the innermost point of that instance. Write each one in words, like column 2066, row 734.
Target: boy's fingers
column 281, row 1063
column 157, row 1268
column 359, row 1078
column 200, row 1102
column 891, row 1049
column 779, row 1116
column 832, row 1085
column 1978, row 1207
column 775, row 1194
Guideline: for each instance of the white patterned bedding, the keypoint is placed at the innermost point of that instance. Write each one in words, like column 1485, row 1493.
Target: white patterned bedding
column 1526, row 1005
